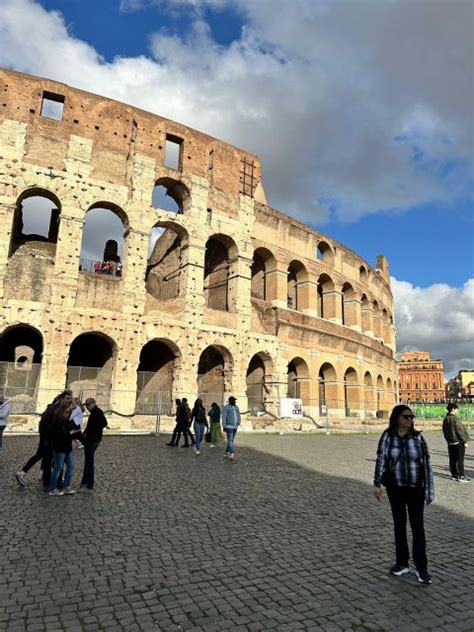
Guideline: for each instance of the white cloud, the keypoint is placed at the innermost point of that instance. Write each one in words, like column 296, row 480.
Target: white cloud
column 318, row 89
column 438, row 319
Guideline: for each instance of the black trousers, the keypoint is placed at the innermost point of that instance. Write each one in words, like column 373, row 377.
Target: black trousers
column 456, row 459
column 44, row 453
column 88, row 474
column 411, row 499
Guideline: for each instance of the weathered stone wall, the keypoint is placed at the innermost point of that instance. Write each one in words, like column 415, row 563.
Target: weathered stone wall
column 108, row 154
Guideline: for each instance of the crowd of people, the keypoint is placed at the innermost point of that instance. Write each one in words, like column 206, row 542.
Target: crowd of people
column 403, row 464
column 61, row 428
column 206, row 425
column 112, row 268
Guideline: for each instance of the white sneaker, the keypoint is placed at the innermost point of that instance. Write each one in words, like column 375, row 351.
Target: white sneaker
column 211, row 445
column 69, row 490
column 56, row 492
column 21, row 477
column 197, row 452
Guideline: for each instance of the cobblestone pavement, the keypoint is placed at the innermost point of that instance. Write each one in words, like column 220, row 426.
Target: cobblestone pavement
column 288, row 537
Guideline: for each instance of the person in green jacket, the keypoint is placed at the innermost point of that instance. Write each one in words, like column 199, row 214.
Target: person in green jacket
column 215, row 417
column 457, row 439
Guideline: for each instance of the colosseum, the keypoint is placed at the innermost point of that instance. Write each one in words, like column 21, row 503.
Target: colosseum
column 195, row 286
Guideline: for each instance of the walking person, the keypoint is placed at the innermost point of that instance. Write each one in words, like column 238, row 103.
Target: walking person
column 92, row 436
column 44, row 452
column 457, row 439
column 5, row 410
column 60, row 435
column 230, row 423
column 198, row 415
column 215, row 419
column 181, row 424
column 403, row 466
column 188, row 435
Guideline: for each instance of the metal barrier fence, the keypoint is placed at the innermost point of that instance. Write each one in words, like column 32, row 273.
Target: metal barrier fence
column 330, row 414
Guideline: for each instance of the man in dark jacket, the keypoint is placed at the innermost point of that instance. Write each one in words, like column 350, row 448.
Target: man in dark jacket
column 92, row 436
column 44, row 451
column 457, row 439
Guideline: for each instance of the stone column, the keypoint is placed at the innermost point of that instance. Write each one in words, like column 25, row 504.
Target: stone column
column 309, row 289
column 7, row 213
column 367, row 320
column 332, row 306
column 277, row 281
column 352, row 314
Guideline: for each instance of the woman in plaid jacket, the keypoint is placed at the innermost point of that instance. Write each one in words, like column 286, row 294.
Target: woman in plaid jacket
column 403, row 466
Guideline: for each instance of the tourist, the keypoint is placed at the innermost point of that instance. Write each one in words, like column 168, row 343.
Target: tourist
column 457, row 439
column 187, row 423
column 44, row 451
column 215, row 419
column 181, row 425
column 92, row 436
column 403, row 466
column 198, row 415
column 5, row 410
column 60, row 434
column 230, row 423
column 97, row 267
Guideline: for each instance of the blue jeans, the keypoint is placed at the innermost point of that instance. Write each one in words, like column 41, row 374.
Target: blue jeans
column 230, row 432
column 59, row 459
column 198, row 433
column 2, row 428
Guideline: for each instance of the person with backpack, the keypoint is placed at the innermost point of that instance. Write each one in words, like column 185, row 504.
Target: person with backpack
column 44, row 452
column 198, row 415
column 457, row 439
column 403, row 467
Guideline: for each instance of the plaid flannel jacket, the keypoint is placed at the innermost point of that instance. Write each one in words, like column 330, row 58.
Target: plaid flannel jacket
column 413, row 468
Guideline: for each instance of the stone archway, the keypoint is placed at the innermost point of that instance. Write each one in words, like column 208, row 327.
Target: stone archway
column 90, row 367
column 155, row 377
column 214, row 368
column 258, row 373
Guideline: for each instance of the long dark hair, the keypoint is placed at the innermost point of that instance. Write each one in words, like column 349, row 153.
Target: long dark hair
column 393, row 421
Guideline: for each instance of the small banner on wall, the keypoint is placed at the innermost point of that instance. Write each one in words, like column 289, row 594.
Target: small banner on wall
column 290, row 407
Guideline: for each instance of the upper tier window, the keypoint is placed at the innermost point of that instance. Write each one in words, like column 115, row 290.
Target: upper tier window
column 52, row 106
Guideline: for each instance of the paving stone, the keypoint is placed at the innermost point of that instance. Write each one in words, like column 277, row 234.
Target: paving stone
column 288, row 538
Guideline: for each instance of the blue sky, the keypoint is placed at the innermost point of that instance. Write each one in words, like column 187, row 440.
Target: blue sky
column 360, row 112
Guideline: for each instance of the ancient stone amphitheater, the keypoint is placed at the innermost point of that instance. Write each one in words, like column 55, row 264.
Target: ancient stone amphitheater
column 205, row 290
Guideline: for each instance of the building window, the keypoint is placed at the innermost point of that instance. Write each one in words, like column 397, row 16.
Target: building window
column 52, row 106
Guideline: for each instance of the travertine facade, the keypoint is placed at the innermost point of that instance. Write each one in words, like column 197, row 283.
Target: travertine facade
column 234, row 298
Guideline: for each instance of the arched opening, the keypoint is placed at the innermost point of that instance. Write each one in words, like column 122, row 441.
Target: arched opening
column 363, row 275
column 257, row 375
column 366, row 314
column 327, row 388
column 170, row 195
column 380, row 393
column 103, row 240
column 369, row 403
column 348, row 300
column 35, row 223
column 213, row 378
column 351, row 392
column 165, row 261
column 219, row 273
column 296, row 276
column 263, row 263
column 298, row 380
column 90, row 367
column 324, row 252
column 155, row 375
column 325, row 287
column 21, row 349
